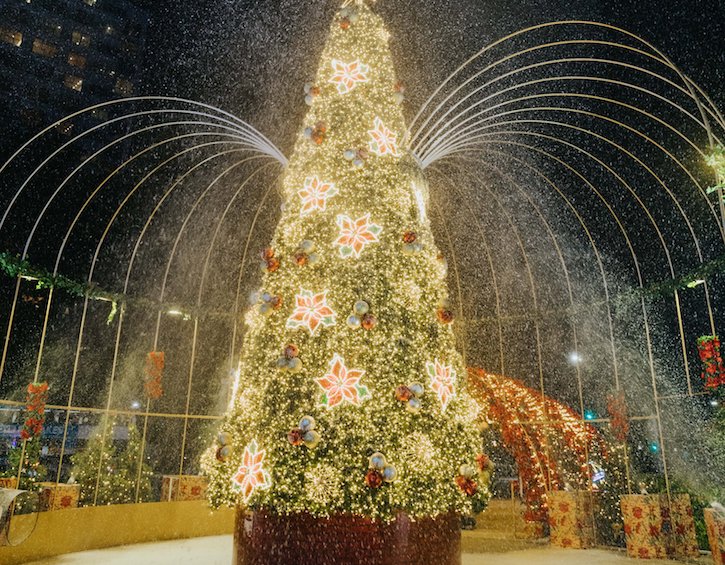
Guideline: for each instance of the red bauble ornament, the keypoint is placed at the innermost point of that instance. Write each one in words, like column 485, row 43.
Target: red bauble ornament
column 399, row 86
column 483, row 461
column 318, row 137
column 276, row 302
column 295, row 437
column 272, row 264
column 301, row 258
column 445, row 316
column 410, row 237
column 374, row 478
column 345, row 23
column 315, row 91
column 403, row 393
column 368, row 322
column 468, row 486
column 291, row 351
column 267, row 254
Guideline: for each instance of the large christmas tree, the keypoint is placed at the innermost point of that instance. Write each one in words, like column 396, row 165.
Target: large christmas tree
column 351, row 398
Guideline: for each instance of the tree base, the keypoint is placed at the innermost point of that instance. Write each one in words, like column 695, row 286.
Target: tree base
column 264, row 538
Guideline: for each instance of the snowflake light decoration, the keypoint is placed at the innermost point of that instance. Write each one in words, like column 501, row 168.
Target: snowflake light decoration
column 356, row 234
column 311, row 311
column 315, row 195
column 383, row 140
column 348, row 75
column 341, row 384
column 251, row 476
column 442, row 381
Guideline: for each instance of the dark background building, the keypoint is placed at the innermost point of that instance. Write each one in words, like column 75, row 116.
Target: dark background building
column 58, row 56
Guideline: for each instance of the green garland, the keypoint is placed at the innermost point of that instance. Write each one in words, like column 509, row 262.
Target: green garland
column 13, row 266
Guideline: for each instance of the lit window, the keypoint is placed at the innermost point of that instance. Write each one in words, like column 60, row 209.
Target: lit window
column 11, row 36
column 77, row 60
column 73, row 82
column 123, row 87
column 45, row 49
column 80, row 39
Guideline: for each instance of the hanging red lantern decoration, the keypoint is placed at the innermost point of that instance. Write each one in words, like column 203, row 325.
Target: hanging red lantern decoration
column 35, row 406
column 713, row 369
column 154, row 372
column 618, row 419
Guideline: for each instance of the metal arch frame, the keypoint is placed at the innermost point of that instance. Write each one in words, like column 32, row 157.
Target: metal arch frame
column 693, row 87
column 274, row 151
column 487, row 250
column 454, row 146
column 86, row 299
column 161, row 298
column 241, row 132
column 432, row 133
column 654, row 223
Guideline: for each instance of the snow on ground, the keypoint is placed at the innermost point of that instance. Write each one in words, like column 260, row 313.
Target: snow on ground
column 217, row 550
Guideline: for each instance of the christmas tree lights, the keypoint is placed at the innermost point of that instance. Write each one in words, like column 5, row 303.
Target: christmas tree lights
column 325, row 420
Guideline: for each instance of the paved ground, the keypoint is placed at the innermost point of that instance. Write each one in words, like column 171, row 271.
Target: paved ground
column 218, row 551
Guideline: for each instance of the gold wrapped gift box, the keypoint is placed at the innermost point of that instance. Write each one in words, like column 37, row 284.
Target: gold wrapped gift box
column 183, row 487
column 571, row 519
column 58, row 496
column 656, row 528
column 716, row 534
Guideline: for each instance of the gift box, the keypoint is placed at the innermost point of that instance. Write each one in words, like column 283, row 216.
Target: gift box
column 645, row 527
column 183, row 487
column 58, row 496
column 683, row 543
column 571, row 519
column 715, row 523
column 658, row 527
column 9, row 482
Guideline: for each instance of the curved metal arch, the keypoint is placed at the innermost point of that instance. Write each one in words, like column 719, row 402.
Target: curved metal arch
column 627, row 239
column 198, row 304
column 276, row 153
column 459, row 289
column 602, row 164
column 691, row 85
column 137, row 185
column 438, row 130
column 489, row 259
column 242, row 134
column 118, row 335
column 452, row 146
column 116, row 347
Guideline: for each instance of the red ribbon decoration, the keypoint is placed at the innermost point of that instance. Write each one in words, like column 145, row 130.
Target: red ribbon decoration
column 35, row 407
column 713, row 369
column 154, row 372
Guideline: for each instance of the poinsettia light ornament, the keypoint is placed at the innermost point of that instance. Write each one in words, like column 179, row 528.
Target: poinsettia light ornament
column 442, row 381
column 311, row 311
column 341, row 384
column 348, row 75
column 251, row 475
column 315, row 194
column 356, row 234
column 383, row 141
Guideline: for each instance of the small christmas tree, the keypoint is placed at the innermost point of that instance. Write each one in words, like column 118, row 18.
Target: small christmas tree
column 352, row 398
column 33, row 471
column 118, row 467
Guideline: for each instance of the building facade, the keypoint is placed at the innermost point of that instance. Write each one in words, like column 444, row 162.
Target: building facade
column 58, row 56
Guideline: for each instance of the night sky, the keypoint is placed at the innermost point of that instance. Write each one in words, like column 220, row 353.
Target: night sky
column 252, row 58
